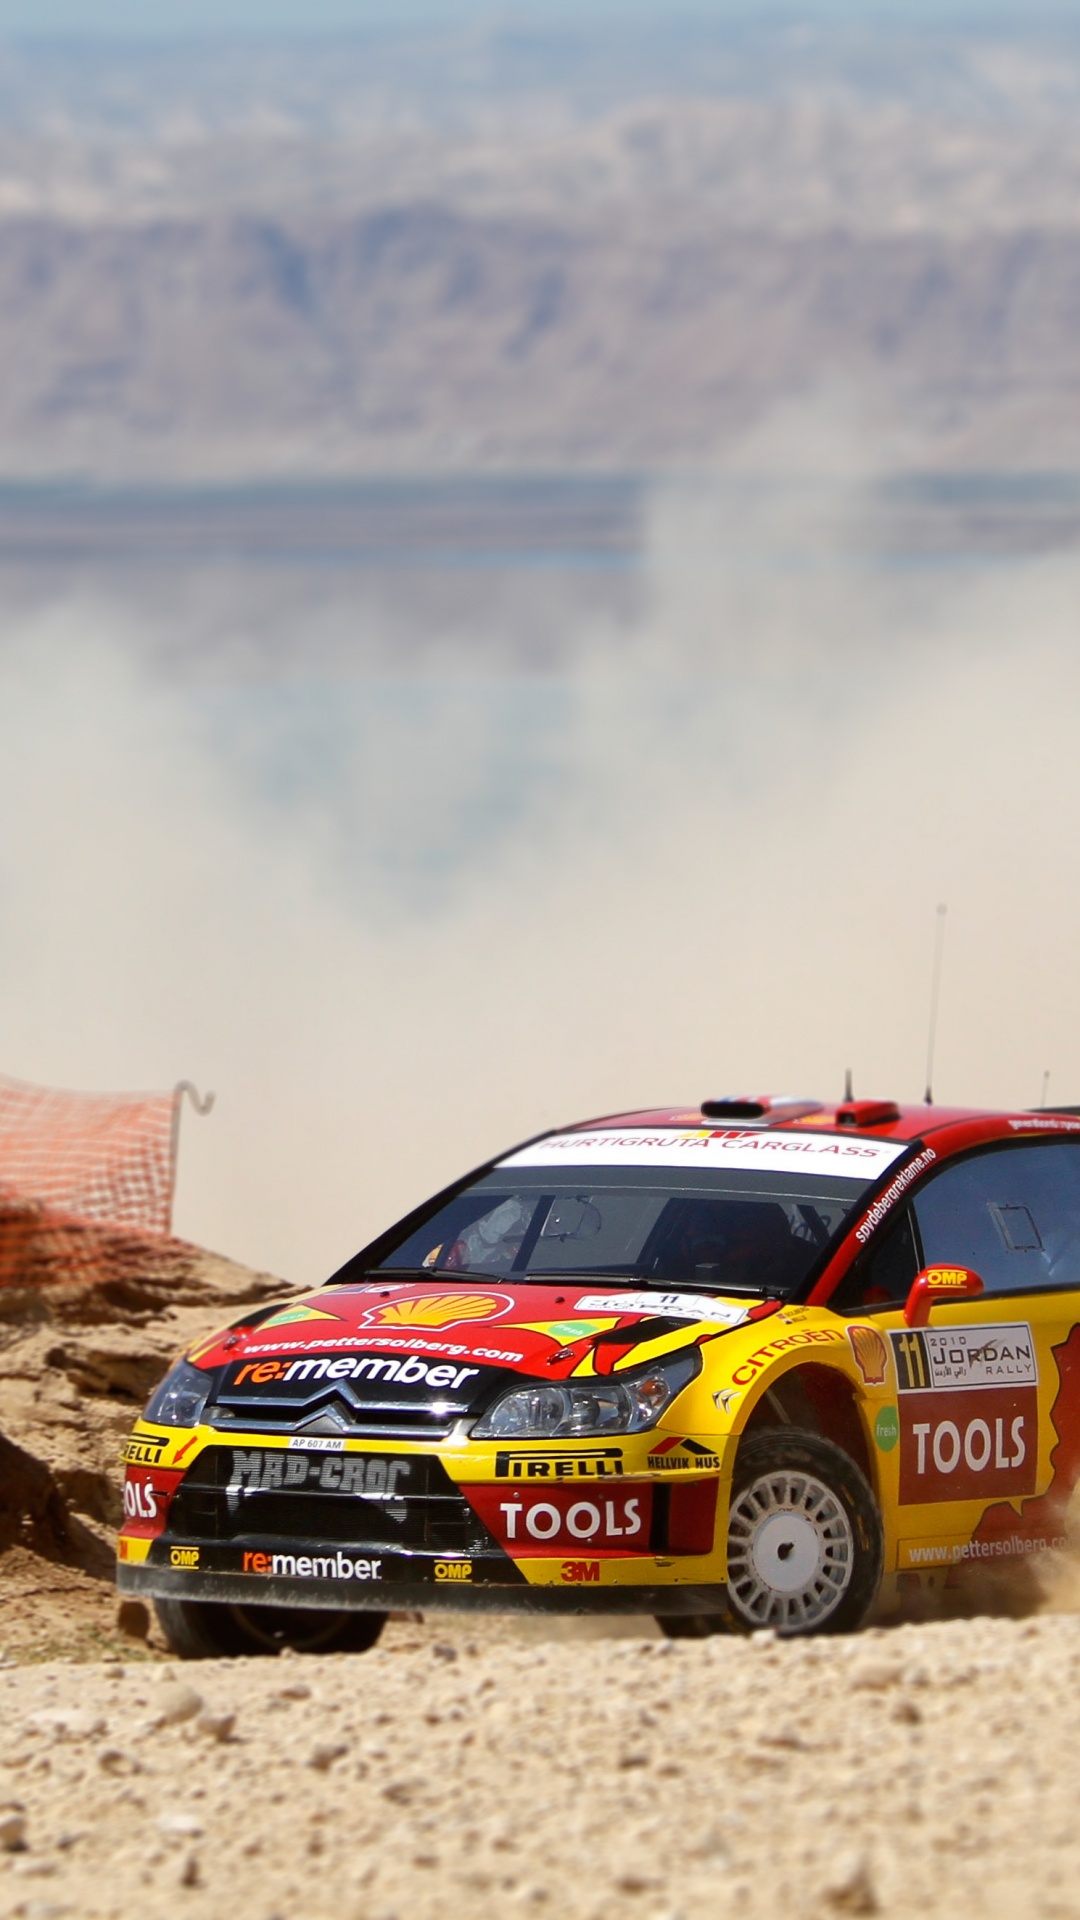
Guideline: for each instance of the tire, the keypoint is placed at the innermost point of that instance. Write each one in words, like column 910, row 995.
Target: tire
column 805, row 1540
column 207, row 1630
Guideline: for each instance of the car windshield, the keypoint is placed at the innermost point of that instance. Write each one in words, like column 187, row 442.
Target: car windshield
column 727, row 1230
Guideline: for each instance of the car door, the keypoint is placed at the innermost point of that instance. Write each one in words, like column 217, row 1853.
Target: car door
column 980, row 1455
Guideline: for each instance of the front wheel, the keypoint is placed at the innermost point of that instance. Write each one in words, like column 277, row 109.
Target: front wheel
column 208, row 1630
column 805, row 1543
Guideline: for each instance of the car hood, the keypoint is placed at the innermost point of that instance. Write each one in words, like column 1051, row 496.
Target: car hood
column 550, row 1330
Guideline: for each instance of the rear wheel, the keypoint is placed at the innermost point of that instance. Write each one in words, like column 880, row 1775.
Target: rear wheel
column 805, row 1539
column 207, row 1630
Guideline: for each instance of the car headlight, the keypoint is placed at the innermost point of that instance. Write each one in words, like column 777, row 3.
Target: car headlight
column 573, row 1408
column 181, row 1397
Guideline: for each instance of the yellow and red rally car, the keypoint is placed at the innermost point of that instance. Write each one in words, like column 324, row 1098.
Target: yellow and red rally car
column 750, row 1365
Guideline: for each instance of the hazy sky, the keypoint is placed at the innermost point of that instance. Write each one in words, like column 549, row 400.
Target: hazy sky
column 400, row 918
column 221, row 18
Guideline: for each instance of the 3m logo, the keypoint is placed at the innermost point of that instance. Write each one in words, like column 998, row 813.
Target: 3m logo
column 578, row 1571
column 183, row 1556
column 453, row 1569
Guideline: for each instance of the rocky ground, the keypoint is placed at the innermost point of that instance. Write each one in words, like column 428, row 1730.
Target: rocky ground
column 469, row 1766
column 78, row 1357
column 927, row 1770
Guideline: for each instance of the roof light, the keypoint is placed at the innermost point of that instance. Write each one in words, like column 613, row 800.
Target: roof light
column 866, row 1113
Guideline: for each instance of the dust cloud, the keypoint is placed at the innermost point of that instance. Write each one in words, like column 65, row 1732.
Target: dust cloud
column 404, row 909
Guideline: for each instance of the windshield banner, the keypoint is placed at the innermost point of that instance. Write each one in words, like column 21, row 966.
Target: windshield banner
column 744, row 1147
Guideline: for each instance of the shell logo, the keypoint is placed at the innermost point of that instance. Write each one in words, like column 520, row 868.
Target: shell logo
column 871, row 1354
column 438, row 1309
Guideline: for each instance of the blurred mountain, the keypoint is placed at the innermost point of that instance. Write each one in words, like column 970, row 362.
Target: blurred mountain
column 322, row 260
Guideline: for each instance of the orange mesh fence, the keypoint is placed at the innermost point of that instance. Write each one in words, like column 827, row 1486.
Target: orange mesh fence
column 106, row 1157
column 40, row 1247
column 84, row 1179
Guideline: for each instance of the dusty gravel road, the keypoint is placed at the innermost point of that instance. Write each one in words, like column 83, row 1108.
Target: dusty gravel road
column 471, row 1768
column 458, row 1770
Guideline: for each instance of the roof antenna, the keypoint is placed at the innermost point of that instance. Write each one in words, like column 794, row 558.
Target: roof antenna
column 1046, row 1087
column 935, row 994
column 848, row 1095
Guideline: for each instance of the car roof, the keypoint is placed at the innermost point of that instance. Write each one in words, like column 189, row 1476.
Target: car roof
column 875, row 1119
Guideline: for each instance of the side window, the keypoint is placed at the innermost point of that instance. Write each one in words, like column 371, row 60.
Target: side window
column 882, row 1276
column 1012, row 1214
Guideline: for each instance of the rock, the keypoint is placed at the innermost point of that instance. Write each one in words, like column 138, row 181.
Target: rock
column 189, row 1871
column 179, row 1826
column 32, row 1509
column 70, row 1723
column 175, row 1703
column 12, row 1830
column 850, row 1886
column 907, row 1712
column 875, row 1676
column 322, row 1757
column 216, row 1726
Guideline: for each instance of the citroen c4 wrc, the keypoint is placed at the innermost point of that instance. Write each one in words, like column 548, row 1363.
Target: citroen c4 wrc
column 762, row 1363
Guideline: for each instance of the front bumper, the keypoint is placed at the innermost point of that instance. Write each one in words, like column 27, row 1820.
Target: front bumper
column 420, row 1595
column 576, row 1530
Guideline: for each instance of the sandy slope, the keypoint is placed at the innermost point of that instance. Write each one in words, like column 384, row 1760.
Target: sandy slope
column 77, row 1361
column 927, row 1770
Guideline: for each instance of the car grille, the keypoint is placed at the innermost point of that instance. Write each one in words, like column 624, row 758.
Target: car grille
column 376, row 1420
column 368, row 1409
column 228, row 1496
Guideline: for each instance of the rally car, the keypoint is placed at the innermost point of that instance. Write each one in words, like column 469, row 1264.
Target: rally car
column 756, row 1364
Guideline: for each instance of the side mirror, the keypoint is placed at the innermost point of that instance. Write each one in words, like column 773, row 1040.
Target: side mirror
column 935, row 1284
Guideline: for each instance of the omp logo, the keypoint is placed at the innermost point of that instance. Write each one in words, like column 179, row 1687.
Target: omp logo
column 437, row 1309
column 578, row 1571
column 586, row 1463
column 183, row 1556
column 453, row 1569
